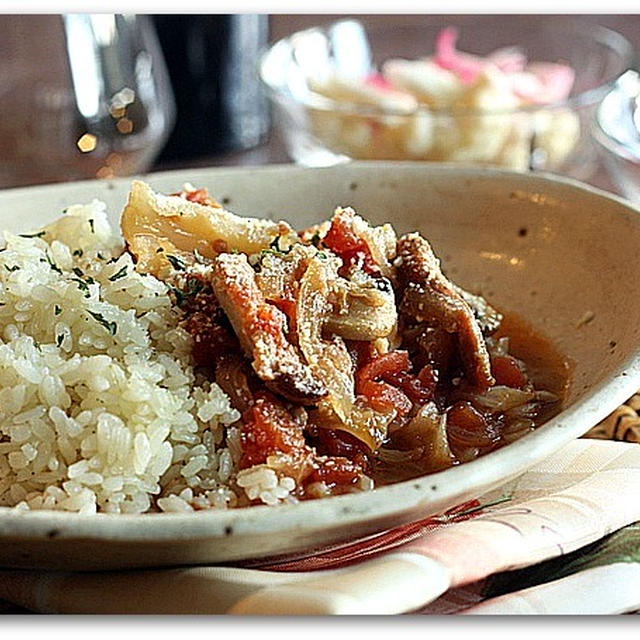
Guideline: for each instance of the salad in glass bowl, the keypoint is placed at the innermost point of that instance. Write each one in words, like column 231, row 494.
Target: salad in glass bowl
column 416, row 92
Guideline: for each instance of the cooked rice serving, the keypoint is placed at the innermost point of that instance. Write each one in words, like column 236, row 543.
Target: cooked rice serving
column 100, row 406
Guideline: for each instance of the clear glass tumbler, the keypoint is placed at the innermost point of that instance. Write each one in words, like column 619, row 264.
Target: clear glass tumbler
column 83, row 96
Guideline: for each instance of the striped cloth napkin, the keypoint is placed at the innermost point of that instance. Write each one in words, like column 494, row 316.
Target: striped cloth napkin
column 563, row 538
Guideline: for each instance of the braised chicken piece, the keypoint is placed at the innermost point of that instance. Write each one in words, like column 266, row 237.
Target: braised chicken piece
column 487, row 317
column 261, row 328
column 427, row 296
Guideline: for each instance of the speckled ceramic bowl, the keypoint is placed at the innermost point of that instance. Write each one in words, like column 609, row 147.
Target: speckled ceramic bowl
column 558, row 253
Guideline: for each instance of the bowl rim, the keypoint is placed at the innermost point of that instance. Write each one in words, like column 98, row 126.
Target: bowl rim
column 351, row 509
column 313, row 100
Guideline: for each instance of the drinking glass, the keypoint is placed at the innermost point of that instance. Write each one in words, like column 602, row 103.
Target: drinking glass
column 83, row 96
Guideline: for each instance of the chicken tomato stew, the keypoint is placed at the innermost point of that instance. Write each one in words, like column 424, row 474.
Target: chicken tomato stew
column 350, row 357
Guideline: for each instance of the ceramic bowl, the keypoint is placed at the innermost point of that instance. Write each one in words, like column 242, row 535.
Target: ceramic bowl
column 561, row 255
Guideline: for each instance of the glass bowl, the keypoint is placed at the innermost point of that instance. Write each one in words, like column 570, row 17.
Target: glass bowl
column 616, row 130
column 321, row 128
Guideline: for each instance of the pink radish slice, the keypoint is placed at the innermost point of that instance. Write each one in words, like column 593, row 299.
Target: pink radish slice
column 378, row 81
column 466, row 66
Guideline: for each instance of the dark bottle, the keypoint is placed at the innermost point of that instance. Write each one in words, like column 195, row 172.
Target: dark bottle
column 212, row 62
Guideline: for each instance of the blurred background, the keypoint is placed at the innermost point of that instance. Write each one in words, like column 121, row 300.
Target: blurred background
column 108, row 95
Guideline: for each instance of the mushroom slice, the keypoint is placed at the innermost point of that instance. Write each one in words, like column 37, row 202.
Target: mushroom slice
column 363, row 308
column 429, row 297
column 151, row 221
column 261, row 327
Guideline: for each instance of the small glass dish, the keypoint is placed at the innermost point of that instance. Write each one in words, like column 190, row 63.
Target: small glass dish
column 616, row 130
column 319, row 129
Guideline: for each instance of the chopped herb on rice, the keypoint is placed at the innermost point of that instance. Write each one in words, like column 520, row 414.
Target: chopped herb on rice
column 111, row 327
column 119, row 274
column 106, row 415
column 176, row 262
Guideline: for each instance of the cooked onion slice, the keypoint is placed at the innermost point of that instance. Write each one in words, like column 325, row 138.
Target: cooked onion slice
column 499, row 399
column 426, row 436
column 330, row 361
column 151, row 220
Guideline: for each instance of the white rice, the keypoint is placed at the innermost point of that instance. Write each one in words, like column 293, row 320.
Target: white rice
column 100, row 407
